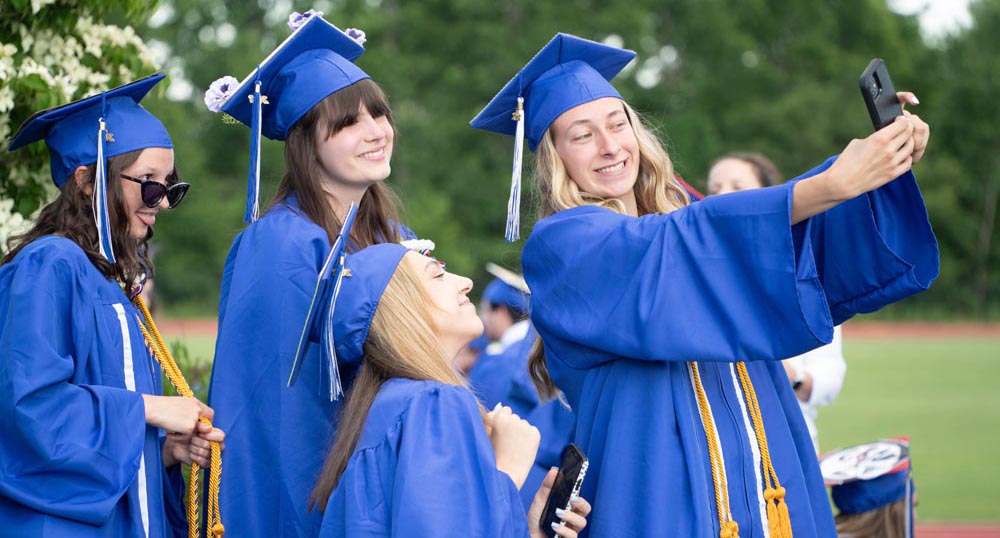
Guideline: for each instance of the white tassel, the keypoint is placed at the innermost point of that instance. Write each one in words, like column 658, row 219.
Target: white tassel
column 513, row 231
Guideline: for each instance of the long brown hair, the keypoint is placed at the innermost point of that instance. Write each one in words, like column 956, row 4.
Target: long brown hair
column 71, row 215
column 656, row 191
column 402, row 342
column 378, row 214
column 886, row 522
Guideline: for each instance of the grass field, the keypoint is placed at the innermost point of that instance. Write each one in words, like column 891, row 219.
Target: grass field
column 944, row 394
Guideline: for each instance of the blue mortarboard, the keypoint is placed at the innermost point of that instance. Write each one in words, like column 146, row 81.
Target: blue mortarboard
column 567, row 72
column 91, row 130
column 315, row 61
column 869, row 476
column 371, row 269
column 319, row 317
column 509, row 289
column 347, row 293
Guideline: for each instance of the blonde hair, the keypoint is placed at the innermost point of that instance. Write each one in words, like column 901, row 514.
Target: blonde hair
column 655, row 189
column 402, row 342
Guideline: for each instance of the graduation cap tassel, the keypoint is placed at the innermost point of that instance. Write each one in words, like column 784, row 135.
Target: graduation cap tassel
column 99, row 200
column 333, row 267
column 513, row 232
column 253, row 178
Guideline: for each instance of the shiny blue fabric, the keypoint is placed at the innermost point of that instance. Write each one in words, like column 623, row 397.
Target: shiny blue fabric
column 424, row 466
column 504, row 378
column 73, row 434
column 276, row 436
column 622, row 303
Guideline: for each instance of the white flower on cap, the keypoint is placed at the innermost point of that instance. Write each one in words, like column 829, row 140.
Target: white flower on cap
column 219, row 92
column 357, row 35
column 418, row 245
column 296, row 19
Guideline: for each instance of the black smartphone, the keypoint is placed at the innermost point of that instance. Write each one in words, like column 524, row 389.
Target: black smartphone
column 572, row 469
column 880, row 96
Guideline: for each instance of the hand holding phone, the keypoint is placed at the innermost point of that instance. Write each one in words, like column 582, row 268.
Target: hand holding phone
column 569, row 480
column 879, row 94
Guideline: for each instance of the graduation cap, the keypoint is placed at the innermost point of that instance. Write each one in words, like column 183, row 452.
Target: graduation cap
column 867, row 477
column 347, row 293
column 92, row 130
column 508, row 288
column 315, row 61
column 569, row 71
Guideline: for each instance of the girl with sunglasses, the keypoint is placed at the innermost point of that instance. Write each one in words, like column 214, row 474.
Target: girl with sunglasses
column 84, row 451
column 338, row 133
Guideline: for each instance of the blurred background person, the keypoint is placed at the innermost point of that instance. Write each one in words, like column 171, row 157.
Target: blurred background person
column 501, row 375
column 816, row 376
column 872, row 488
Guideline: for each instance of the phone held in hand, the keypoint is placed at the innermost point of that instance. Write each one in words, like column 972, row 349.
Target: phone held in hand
column 572, row 469
column 879, row 95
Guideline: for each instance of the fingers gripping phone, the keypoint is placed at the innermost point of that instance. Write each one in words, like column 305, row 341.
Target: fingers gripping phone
column 880, row 96
column 572, row 469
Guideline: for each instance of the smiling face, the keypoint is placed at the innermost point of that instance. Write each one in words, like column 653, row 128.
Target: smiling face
column 153, row 164
column 357, row 155
column 453, row 314
column 598, row 148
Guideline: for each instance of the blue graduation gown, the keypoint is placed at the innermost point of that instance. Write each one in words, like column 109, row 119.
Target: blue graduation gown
column 424, row 466
column 276, row 436
column 504, row 378
column 77, row 458
column 622, row 303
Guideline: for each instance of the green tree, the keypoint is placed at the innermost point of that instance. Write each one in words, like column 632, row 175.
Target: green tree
column 52, row 52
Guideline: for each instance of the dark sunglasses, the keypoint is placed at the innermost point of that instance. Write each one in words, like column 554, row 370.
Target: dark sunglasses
column 153, row 191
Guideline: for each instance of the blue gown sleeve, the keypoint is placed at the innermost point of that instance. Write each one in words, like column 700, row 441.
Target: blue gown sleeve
column 724, row 279
column 873, row 250
column 69, row 450
column 447, row 482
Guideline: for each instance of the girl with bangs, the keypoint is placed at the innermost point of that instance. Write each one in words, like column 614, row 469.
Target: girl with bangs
column 338, row 133
column 663, row 321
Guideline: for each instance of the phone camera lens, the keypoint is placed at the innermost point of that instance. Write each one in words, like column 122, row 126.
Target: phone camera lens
column 873, row 89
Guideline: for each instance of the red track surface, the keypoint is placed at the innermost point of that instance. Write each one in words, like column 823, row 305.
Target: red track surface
column 957, row 530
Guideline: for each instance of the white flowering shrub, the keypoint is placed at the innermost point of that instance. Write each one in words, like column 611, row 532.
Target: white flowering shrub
column 53, row 52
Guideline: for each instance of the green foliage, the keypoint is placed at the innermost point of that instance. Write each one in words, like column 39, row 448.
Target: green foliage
column 197, row 370
column 714, row 75
column 52, row 52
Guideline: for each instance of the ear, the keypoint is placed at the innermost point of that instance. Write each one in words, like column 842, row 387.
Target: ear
column 83, row 181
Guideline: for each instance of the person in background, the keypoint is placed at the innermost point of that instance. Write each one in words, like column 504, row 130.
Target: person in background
column 872, row 487
column 501, row 375
column 818, row 375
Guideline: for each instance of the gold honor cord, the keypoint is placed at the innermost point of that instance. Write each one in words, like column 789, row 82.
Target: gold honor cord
column 214, row 528
column 778, row 521
column 729, row 528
